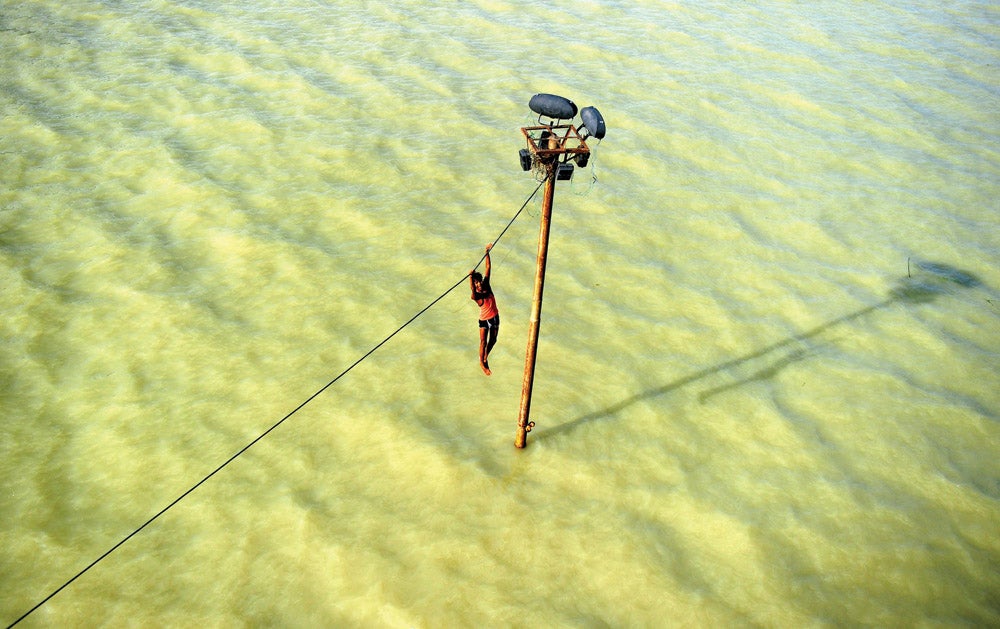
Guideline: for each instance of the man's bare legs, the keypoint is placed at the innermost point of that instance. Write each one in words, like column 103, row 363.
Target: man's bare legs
column 484, row 348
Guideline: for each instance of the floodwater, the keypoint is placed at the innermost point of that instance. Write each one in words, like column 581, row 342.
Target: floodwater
column 766, row 391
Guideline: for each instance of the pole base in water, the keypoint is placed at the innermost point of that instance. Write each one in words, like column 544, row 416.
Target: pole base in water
column 521, row 439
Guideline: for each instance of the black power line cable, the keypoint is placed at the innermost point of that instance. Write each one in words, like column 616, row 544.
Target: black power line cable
column 273, row 427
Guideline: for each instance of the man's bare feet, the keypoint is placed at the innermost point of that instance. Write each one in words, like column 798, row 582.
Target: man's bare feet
column 486, row 368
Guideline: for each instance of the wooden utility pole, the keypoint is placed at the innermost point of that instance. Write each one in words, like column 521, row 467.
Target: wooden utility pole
column 550, row 150
column 523, row 424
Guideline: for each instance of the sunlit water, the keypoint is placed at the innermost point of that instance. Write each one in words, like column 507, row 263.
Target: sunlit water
column 767, row 386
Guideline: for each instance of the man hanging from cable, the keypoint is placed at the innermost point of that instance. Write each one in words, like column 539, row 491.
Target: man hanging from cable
column 489, row 316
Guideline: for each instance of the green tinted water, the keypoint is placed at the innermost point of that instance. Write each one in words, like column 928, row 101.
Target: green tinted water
column 766, row 389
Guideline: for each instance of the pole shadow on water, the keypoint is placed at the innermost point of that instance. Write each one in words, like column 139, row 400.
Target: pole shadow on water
column 933, row 279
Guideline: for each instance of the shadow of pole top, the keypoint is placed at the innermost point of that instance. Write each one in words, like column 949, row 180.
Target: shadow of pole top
column 924, row 283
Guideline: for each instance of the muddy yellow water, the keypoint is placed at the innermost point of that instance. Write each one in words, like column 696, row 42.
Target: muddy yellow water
column 766, row 391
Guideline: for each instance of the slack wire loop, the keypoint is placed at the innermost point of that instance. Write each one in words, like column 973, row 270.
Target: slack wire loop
column 269, row 430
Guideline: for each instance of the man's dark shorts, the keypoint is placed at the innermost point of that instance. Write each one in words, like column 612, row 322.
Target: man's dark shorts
column 490, row 323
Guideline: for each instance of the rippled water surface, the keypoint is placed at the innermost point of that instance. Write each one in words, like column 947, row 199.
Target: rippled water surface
column 766, row 391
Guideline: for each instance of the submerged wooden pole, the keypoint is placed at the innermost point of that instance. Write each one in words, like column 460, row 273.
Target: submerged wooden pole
column 551, row 148
column 523, row 423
